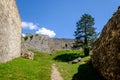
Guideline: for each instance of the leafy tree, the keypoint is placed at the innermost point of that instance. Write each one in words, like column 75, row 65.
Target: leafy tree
column 85, row 32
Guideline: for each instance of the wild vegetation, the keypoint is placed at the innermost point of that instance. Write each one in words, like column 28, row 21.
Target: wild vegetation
column 40, row 67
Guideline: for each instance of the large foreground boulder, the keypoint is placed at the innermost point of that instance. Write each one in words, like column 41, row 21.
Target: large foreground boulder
column 106, row 49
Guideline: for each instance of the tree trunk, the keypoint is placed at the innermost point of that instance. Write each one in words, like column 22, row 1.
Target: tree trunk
column 86, row 48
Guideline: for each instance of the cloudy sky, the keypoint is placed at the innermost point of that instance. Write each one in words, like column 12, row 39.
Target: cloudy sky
column 57, row 18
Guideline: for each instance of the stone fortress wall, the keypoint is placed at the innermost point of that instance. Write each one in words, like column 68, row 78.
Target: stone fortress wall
column 10, row 30
column 45, row 44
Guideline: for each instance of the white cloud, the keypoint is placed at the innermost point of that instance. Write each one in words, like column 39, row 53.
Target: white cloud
column 23, row 35
column 32, row 26
column 29, row 25
column 45, row 31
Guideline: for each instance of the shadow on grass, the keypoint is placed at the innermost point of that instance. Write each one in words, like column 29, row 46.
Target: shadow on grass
column 86, row 72
column 67, row 57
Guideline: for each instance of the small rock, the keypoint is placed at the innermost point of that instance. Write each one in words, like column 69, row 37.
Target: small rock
column 76, row 60
column 28, row 55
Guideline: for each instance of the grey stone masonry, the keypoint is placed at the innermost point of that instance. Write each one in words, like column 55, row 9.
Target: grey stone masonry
column 10, row 31
column 45, row 44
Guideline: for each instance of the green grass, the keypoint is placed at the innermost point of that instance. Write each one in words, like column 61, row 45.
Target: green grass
column 40, row 67
column 25, row 69
column 66, row 69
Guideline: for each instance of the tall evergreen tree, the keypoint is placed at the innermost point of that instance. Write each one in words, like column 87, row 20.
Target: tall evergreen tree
column 85, row 32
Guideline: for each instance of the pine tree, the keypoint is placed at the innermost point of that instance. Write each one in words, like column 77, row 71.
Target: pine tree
column 85, row 32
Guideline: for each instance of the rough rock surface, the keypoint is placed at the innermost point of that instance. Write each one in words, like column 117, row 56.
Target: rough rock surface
column 10, row 30
column 106, row 49
column 28, row 55
column 25, row 53
column 45, row 44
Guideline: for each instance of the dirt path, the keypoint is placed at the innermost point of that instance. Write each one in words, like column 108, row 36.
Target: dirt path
column 55, row 74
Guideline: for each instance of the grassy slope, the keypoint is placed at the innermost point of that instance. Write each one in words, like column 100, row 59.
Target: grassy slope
column 40, row 67
column 24, row 69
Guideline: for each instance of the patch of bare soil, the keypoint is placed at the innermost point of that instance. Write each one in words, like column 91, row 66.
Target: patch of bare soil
column 55, row 73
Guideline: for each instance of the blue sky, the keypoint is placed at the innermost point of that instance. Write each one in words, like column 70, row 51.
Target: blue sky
column 57, row 18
